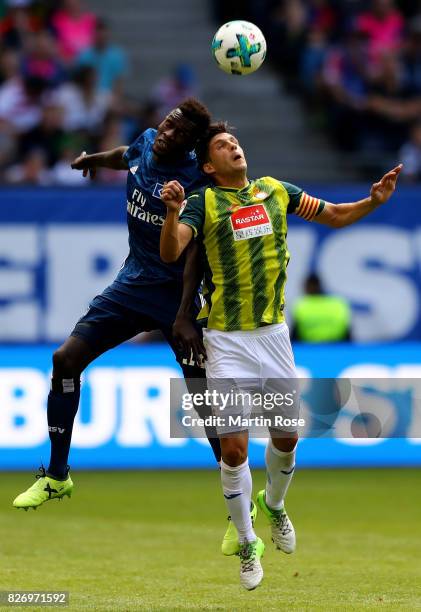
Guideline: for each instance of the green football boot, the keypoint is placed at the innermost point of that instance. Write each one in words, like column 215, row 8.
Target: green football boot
column 283, row 532
column 230, row 544
column 44, row 489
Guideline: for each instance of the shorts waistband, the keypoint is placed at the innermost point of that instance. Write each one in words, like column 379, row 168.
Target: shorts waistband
column 264, row 330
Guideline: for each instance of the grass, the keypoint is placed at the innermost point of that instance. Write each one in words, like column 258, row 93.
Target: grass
column 150, row 541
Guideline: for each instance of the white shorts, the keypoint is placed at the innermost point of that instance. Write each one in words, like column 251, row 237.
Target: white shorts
column 253, row 363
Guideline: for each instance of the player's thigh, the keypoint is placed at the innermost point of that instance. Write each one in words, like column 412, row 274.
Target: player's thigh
column 279, row 375
column 275, row 351
column 103, row 328
column 233, row 379
column 230, row 355
column 280, row 385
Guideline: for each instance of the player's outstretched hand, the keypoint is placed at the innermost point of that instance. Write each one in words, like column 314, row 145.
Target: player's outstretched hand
column 172, row 194
column 380, row 192
column 84, row 163
column 188, row 339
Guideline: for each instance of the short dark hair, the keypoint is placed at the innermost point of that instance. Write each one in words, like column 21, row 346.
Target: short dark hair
column 197, row 113
column 202, row 146
column 313, row 283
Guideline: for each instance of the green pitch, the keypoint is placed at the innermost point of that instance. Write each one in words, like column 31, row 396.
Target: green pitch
column 151, row 541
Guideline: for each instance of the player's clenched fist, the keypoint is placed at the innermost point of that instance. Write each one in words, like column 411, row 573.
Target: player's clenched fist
column 84, row 163
column 173, row 195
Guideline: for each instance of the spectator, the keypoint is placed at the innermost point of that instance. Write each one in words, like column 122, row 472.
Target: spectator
column 350, row 62
column 9, row 65
column 41, row 59
column 138, row 118
column 62, row 174
column 323, row 16
column 411, row 57
column 313, row 59
column 20, row 103
column 383, row 25
column 9, row 73
column 322, row 23
column 7, row 146
column 318, row 317
column 112, row 138
column 85, row 107
column 108, row 60
column 346, row 80
column 45, row 118
column 74, row 28
column 288, row 29
column 410, row 155
column 172, row 90
column 392, row 105
column 48, row 136
column 149, row 116
column 19, row 23
column 31, row 171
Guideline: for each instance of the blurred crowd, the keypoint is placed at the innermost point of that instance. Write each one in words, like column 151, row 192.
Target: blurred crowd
column 356, row 64
column 62, row 91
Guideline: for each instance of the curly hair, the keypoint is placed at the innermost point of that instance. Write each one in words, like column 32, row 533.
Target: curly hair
column 202, row 145
column 197, row 113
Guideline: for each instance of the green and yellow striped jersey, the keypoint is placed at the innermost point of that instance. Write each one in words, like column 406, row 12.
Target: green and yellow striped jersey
column 243, row 232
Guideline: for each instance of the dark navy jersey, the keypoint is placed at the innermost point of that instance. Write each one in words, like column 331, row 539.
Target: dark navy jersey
column 144, row 273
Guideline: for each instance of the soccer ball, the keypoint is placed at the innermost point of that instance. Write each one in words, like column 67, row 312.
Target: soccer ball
column 239, row 47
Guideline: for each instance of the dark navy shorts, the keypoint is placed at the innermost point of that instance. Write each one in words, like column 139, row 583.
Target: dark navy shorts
column 108, row 324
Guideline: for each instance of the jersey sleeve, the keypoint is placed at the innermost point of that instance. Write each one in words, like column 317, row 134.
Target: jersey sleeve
column 302, row 204
column 193, row 213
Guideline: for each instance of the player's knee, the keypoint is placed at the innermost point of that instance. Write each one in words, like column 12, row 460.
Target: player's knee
column 234, row 455
column 65, row 365
column 286, row 445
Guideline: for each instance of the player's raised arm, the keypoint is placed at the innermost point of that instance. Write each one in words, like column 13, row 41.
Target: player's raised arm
column 113, row 159
column 341, row 215
column 175, row 236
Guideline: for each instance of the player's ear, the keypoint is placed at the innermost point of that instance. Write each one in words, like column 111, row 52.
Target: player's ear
column 208, row 168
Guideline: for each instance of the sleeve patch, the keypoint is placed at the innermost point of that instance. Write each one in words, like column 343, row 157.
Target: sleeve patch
column 308, row 207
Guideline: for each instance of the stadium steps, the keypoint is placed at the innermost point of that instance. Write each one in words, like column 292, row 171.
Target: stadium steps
column 270, row 123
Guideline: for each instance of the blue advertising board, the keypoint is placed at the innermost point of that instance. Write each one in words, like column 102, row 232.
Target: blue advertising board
column 59, row 248
column 123, row 421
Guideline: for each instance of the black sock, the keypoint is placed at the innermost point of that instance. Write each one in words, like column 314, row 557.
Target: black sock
column 63, row 403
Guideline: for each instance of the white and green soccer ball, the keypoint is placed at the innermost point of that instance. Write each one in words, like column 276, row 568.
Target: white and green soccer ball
column 239, row 47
